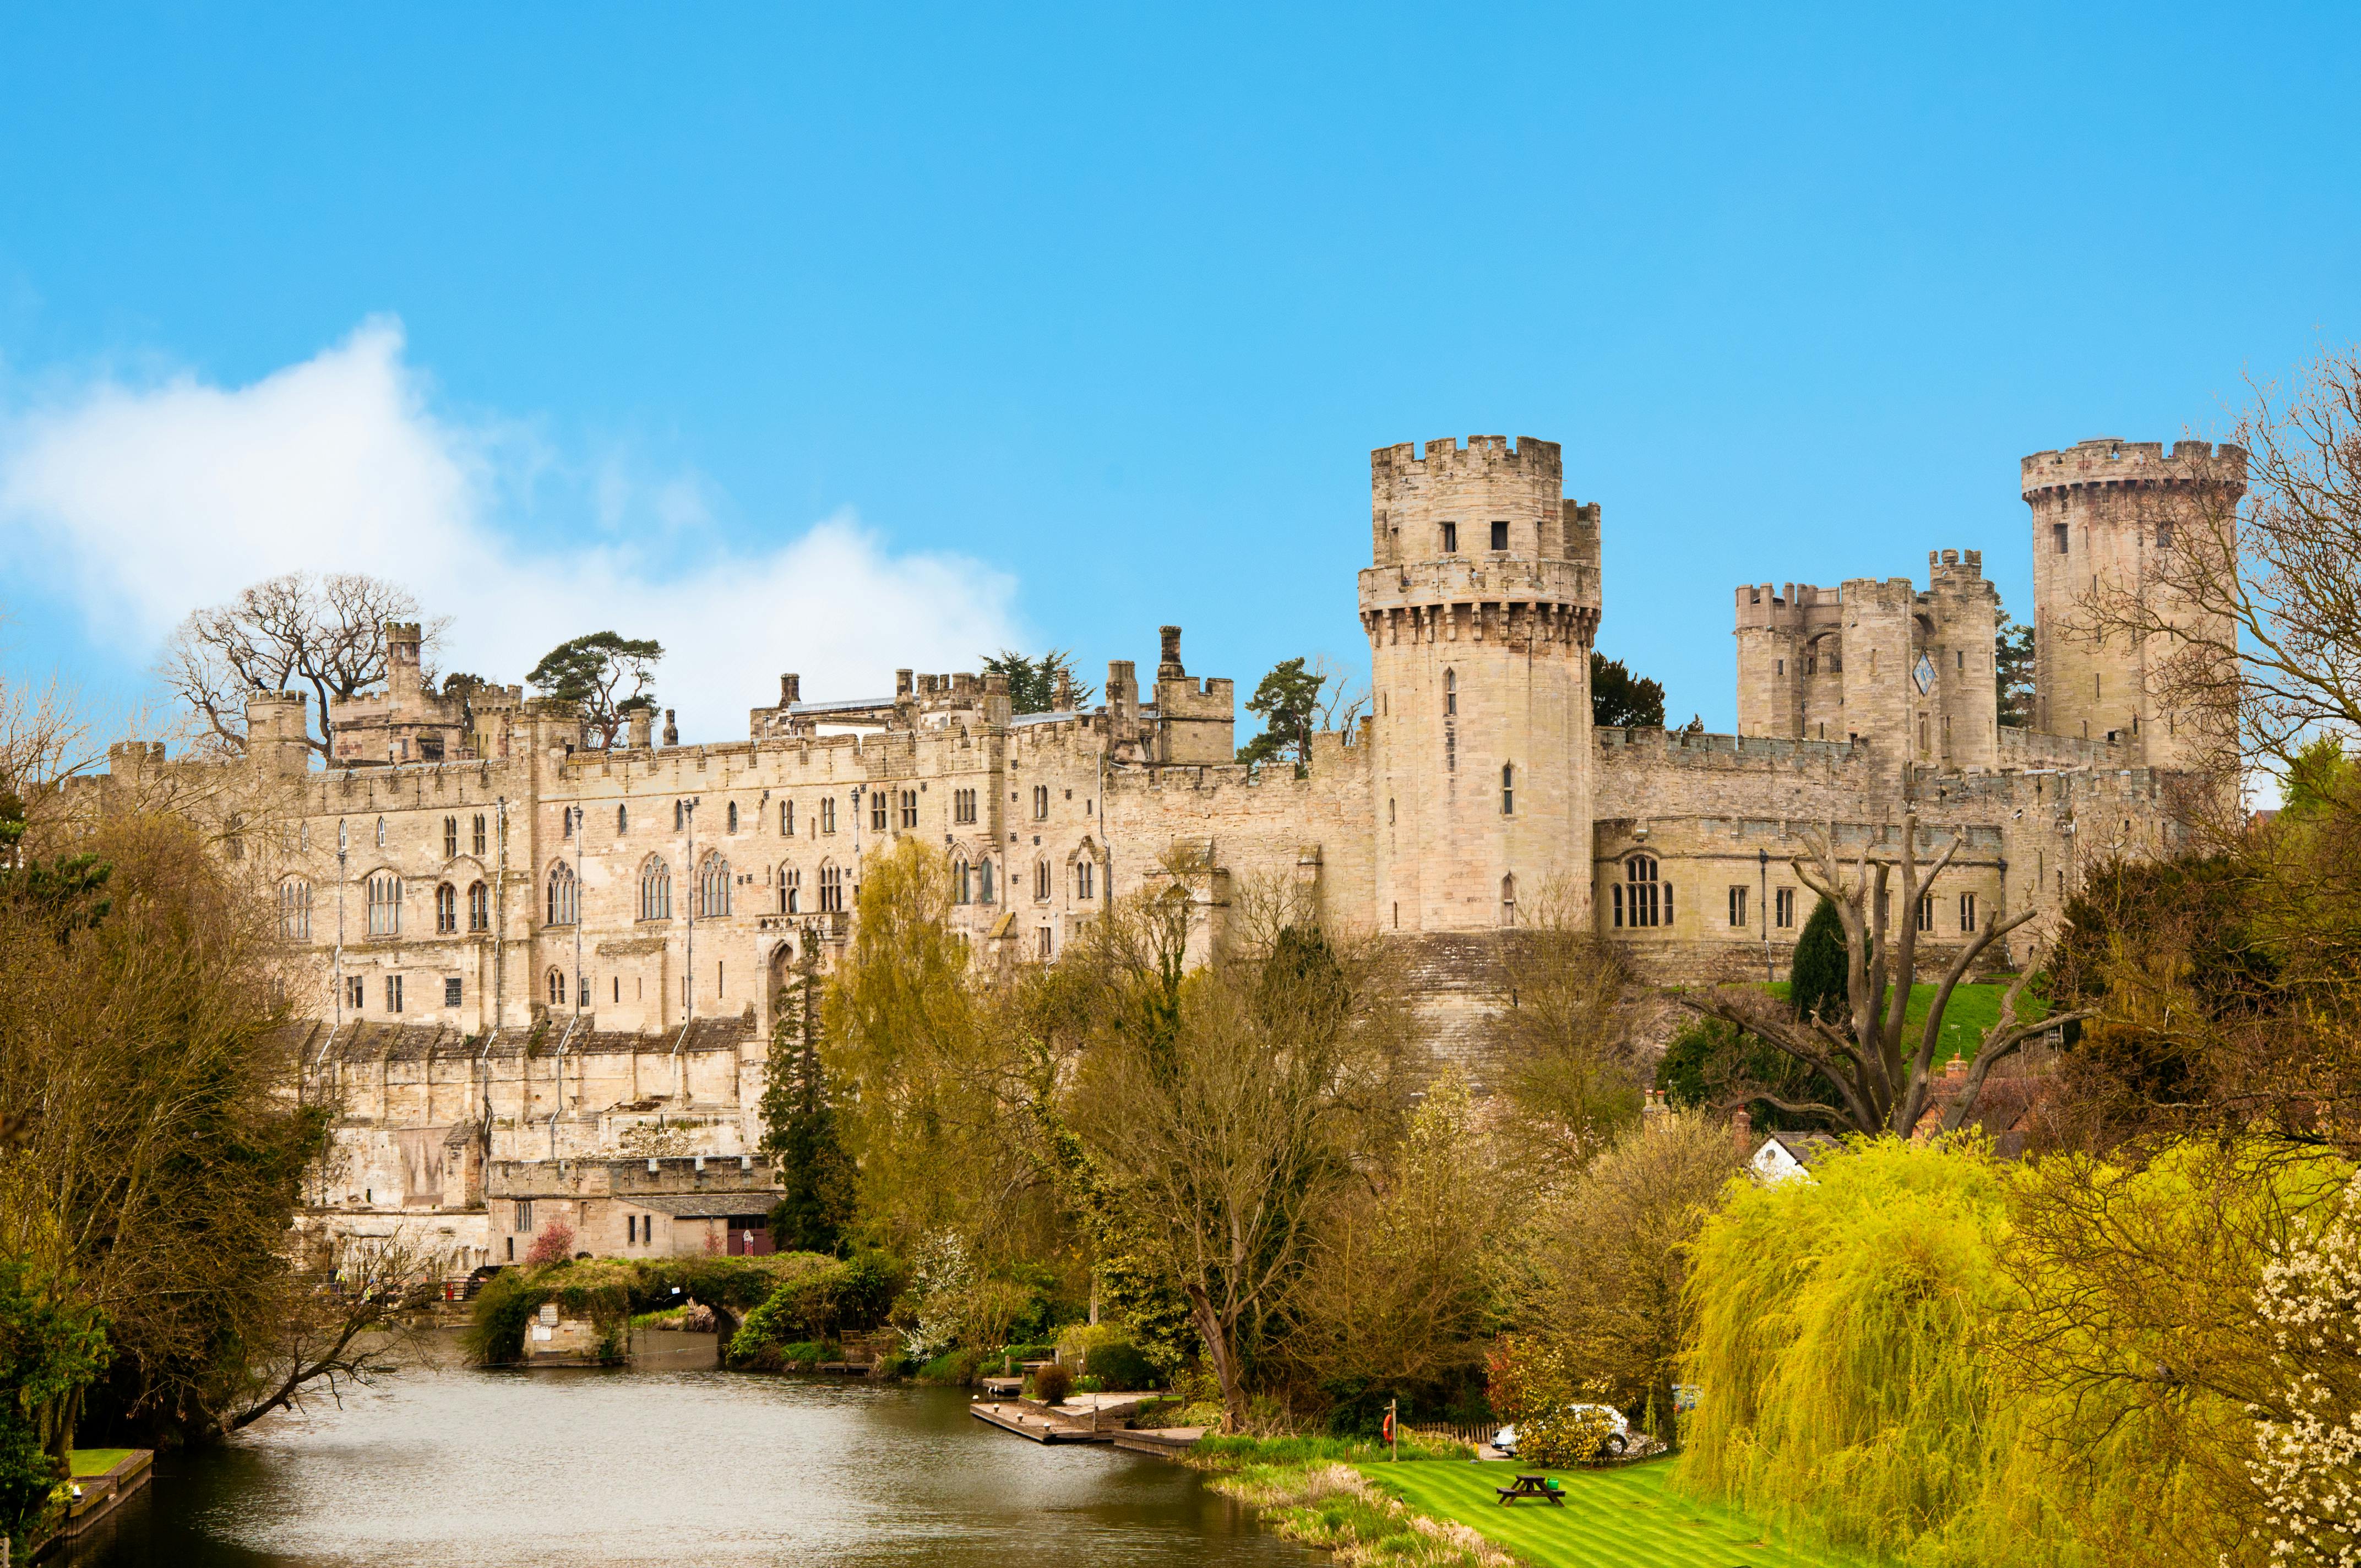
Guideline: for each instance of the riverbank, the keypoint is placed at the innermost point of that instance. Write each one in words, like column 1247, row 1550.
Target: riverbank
column 1429, row 1511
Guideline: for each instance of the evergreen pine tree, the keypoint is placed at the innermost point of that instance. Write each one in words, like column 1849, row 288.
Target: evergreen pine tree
column 800, row 1134
column 1816, row 984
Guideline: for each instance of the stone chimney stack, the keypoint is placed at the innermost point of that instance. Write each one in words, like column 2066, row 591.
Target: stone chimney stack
column 791, row 690
column 643, row 721
column 672, row 730
column 1168, row 668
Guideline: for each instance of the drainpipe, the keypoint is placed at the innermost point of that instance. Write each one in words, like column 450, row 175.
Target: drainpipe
column 688, row 965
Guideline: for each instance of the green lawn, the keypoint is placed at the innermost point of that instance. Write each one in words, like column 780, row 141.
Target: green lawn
column 98, row 1460
column 1973, row 1010
column 1623, row 1516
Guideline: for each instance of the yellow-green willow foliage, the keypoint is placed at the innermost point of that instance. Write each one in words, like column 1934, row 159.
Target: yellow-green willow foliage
column 1946, row 1360
column 1845, row 1391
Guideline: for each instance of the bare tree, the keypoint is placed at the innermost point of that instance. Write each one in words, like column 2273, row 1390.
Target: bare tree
column 2254, row 608
column 1884, row 1081
column 1223, row 1113
column 342, row 1319
column 1567, row 1062
column 293, row 632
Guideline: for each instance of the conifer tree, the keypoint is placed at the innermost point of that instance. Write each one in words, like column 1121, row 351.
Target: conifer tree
column 1816, row 981
column 817, row 1205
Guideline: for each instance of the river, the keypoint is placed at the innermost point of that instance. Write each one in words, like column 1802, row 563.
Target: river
column 668, row 1463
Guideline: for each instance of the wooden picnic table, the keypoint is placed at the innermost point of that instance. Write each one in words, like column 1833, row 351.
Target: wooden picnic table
column 1531, row 1486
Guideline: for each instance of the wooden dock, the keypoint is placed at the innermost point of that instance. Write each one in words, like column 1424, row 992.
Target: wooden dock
column 1165, row 1443
column 100, row 1495
column 1027, row 1420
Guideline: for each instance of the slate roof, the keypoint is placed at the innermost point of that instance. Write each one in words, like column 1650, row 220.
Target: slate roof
column 371, row 1042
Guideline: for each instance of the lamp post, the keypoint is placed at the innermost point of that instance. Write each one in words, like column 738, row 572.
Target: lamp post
column 1762, row 859
column 341, row 878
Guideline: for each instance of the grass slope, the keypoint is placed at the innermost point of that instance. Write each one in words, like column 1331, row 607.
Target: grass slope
column 1623, row 1517
column 1974, row 1009
column 97, row 1461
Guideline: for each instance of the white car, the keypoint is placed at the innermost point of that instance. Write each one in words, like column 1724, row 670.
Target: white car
column 1618, row 1435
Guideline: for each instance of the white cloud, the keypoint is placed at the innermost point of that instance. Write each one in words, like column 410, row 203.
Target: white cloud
column 150, row 500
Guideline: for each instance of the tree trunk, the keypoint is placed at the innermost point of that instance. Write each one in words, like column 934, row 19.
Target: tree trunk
column 1217, row 1351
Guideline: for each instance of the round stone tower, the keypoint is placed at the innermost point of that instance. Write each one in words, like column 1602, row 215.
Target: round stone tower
column 2106, row 516
column 1480, row 608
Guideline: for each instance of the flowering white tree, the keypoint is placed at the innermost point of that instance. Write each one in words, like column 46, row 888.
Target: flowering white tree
column 942, row 1277
column 2310, row 1464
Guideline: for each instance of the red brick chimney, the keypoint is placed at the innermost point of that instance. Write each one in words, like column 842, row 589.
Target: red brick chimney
column 1741, row 1132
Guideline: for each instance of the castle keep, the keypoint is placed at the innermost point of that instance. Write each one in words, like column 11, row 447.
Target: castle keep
column 533, row 967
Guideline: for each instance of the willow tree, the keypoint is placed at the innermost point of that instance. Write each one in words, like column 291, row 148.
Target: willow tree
column 1883, row 1079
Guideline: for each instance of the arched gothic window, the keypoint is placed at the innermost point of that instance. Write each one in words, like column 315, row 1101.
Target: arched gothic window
column 622, row 820
column 655, row 891
column 983, row 893
column 1086, row 878
column 385, row 904
column 678, row 816
column 1450, row 691
column 831, row 888
column 446, row 910
column 733, row 816
column 713, row 889
column 557, row 989
column 479, row 908
column 1041, row 880
column 963, row 881
column 295, row 910
column 380, row 832
column 1640, row 899
column 564, row 896
column 1508, row 789
column 791, row 889
column 1508, row 900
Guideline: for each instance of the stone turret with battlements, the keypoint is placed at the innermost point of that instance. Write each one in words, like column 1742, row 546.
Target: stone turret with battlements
column 1480, row 606
column 2106, row 514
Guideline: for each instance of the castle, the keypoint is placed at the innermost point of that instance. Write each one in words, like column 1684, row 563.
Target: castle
column 535, row 968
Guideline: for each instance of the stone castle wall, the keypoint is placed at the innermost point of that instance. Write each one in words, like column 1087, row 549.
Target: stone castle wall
column 547, row 953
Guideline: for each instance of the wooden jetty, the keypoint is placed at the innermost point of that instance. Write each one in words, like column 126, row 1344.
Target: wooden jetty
column 100, row 1495
column 1085, row 1418
column 1028, row 1420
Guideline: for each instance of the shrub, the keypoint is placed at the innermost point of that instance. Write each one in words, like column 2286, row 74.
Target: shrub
column 495, row 1324
column 1124, row 1366
column 867, row 1286
column 553, row 1245
column 1090, row 1385
column 1052, row 1383
column 953, row 1366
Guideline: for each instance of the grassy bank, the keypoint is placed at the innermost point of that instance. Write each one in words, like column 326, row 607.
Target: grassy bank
column 1436, row 1508
column 1626, row 1516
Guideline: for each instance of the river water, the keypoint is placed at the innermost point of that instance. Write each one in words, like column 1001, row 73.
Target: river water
column 668, row 1463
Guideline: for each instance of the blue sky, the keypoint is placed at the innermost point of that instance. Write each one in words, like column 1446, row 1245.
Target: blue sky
column 834, row 340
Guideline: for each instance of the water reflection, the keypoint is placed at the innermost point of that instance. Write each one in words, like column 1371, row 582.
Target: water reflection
column 664, row 1465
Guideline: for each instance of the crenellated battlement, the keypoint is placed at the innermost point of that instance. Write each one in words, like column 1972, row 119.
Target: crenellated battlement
column 2106, row 463
column 1486, row 498
column 1405, row 459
